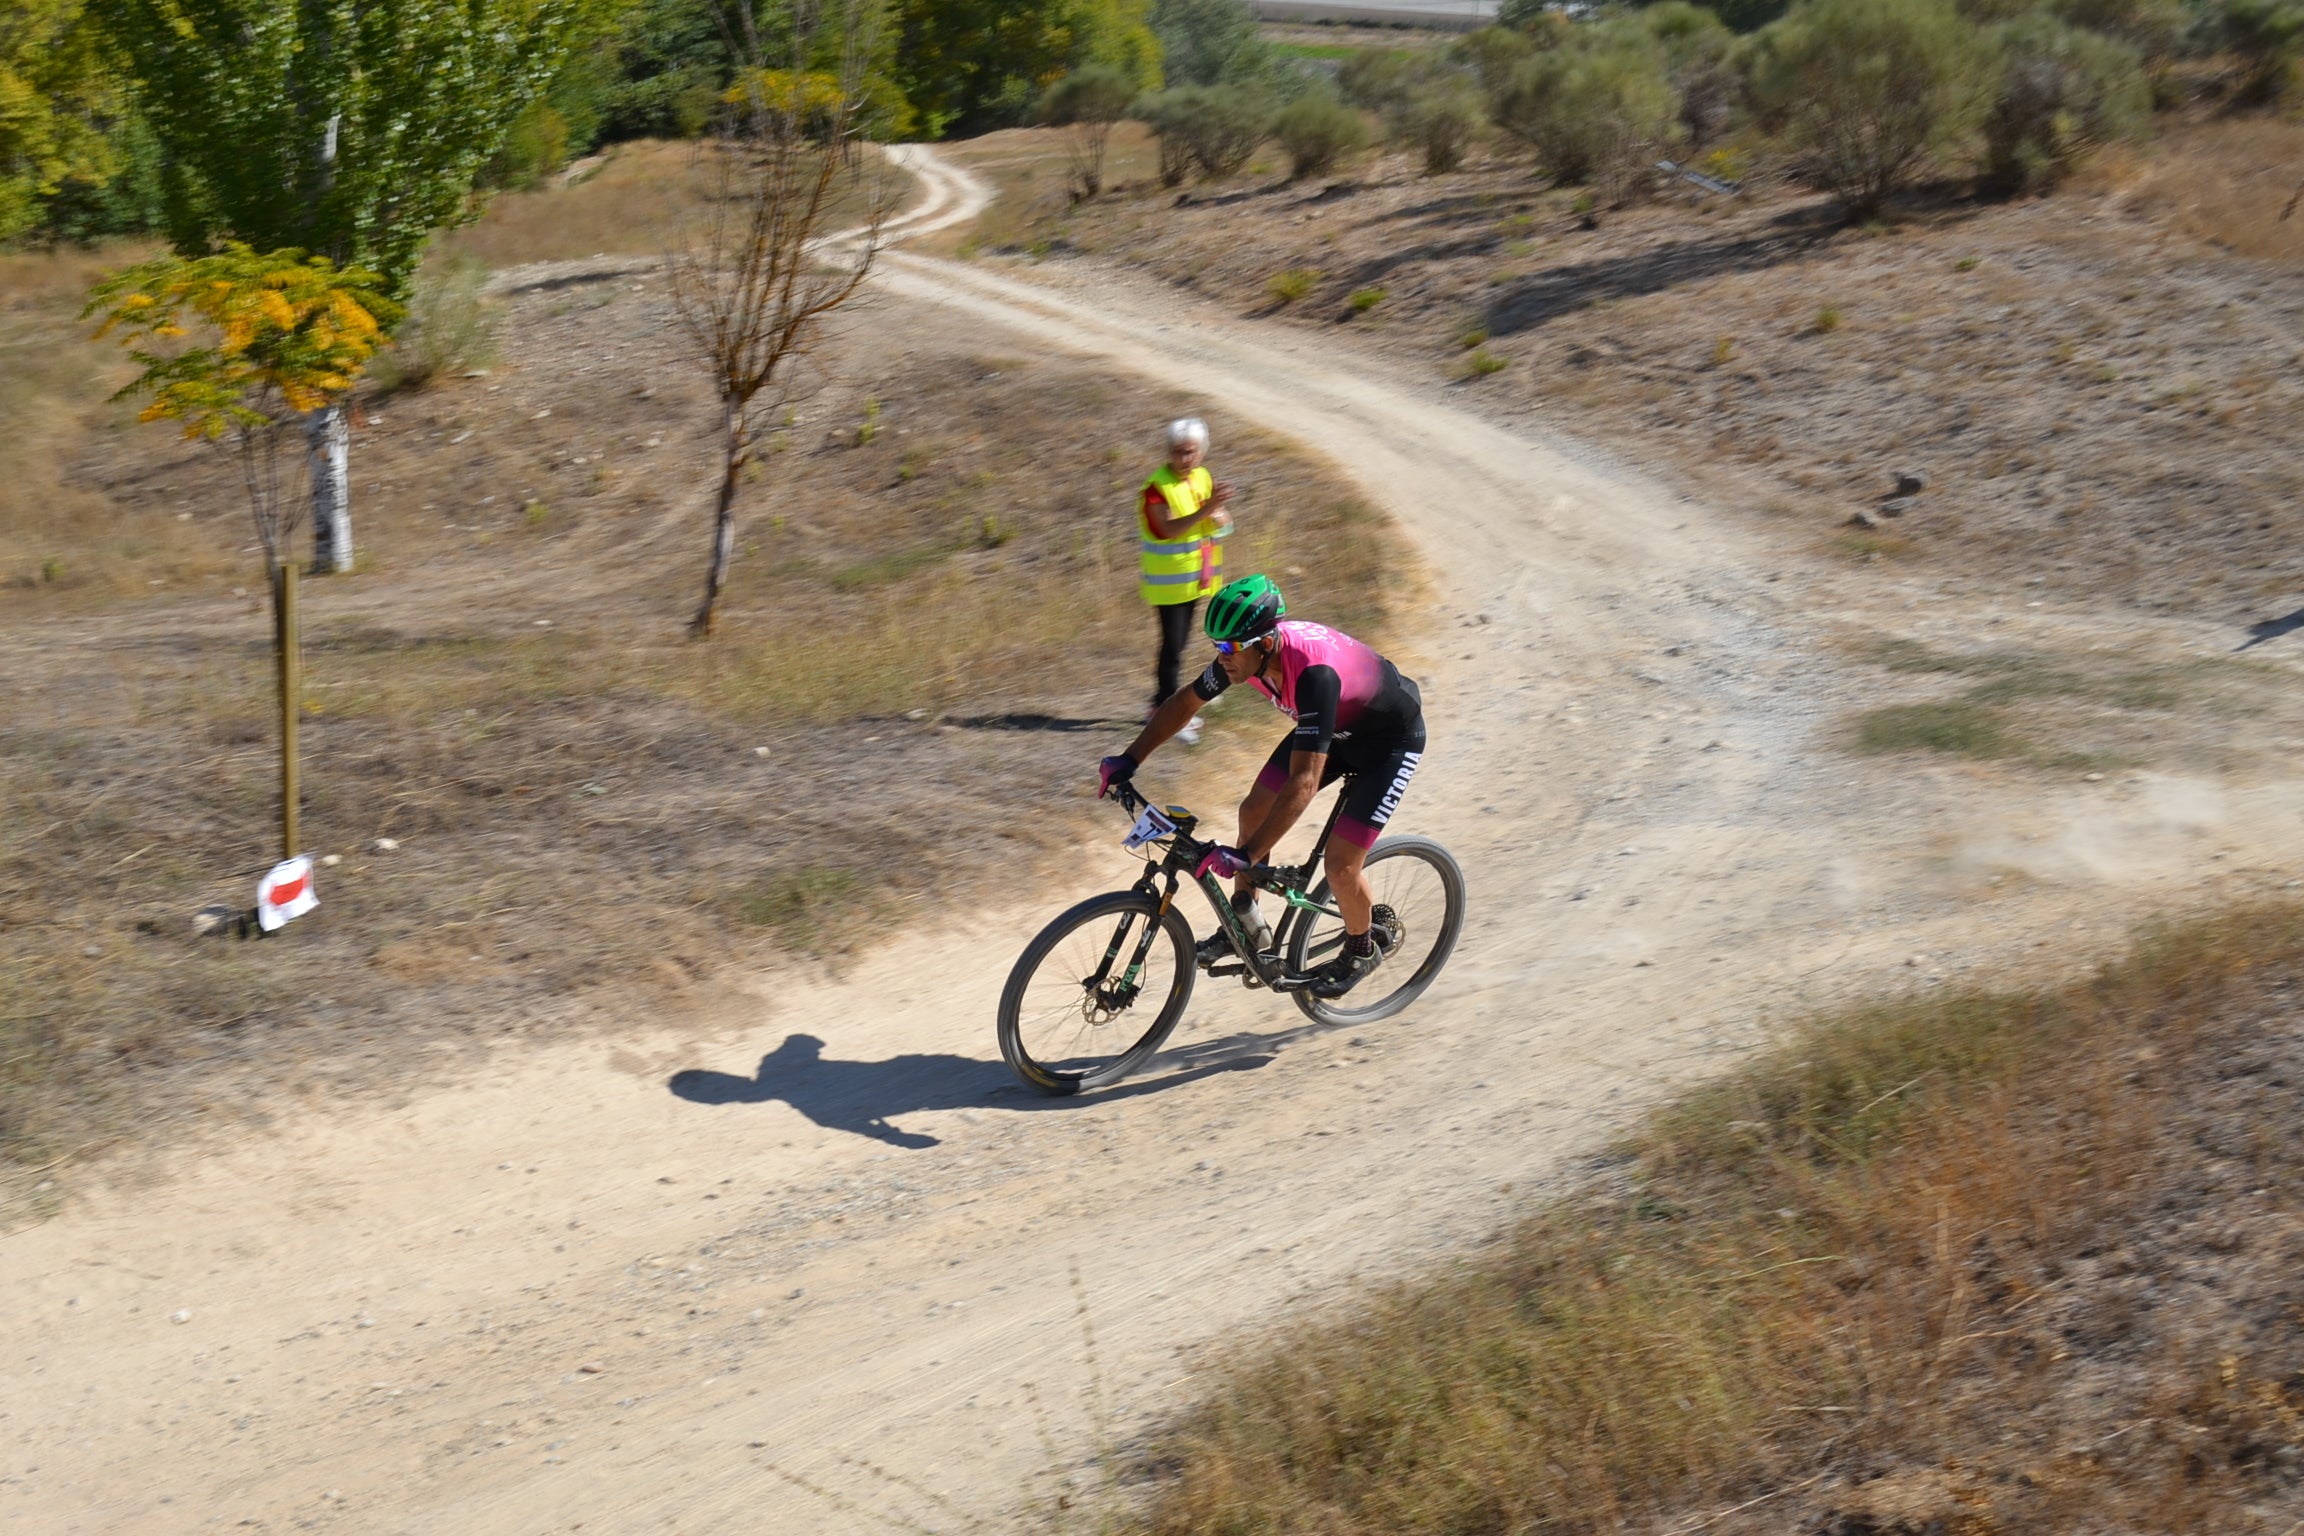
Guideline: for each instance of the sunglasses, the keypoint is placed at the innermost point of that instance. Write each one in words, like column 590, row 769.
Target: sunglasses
column 1227, row 647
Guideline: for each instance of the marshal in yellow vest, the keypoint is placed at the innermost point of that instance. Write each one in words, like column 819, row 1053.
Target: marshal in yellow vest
column 1180, row 570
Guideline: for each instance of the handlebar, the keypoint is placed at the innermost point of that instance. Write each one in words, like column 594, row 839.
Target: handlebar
column 1276, row 878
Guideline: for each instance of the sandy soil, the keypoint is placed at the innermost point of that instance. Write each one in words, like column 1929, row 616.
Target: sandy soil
column 855, row 1277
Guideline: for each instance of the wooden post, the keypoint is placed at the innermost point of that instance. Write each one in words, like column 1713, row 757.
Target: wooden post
column 287, row 643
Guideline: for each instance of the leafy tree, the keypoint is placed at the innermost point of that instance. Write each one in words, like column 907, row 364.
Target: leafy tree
column 1441, row 119
column 349, row 128
column 971, row 65
column 1088, row 102
column 1595, row 108
column 2269, row 37
column 1214, row 127
column 55, row 100
column 274, row 337
column 2063, row 92
column 1317, row 130
column 280, row 334
column 1209, row 42
column 1877, row 91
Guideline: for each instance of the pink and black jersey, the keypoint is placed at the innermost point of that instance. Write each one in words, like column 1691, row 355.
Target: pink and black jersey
column 1331, row 685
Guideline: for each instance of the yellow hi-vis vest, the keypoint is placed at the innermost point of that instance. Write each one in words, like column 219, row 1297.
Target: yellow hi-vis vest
column 1182, row 569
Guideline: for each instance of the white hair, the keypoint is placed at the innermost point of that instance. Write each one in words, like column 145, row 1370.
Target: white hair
column 1188, row 429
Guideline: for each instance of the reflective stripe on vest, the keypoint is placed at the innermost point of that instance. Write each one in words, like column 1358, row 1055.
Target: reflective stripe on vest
column 1179, row 570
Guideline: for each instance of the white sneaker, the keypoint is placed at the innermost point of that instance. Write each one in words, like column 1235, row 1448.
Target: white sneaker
column 1190, row 735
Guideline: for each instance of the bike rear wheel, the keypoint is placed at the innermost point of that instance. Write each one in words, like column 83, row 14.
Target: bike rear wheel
column 1422, row 884
column 1073, row 1016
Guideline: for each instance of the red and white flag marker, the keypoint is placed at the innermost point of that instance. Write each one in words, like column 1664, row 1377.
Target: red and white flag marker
column 284, row 894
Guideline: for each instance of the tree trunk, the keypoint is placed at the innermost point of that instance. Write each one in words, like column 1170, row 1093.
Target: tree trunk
column 328, row 434
column 739, row 443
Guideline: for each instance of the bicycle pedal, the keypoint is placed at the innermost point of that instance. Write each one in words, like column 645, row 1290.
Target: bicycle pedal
column 1228, row 968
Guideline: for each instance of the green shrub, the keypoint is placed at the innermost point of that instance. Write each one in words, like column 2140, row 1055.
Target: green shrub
column 1595, row 110
column 1365, row 299
column 2269, row 37
column 1484, row 362
column 1087, row 102
column 1317, row 130
column 1491, row 54
column 2063, row 92
column 534, row 148
column 1380, row 79
column 1293, row 284
column 450, row 328
column 1876, row 91
column 1209, row 42
column 1441, row 119
column 1216, row 128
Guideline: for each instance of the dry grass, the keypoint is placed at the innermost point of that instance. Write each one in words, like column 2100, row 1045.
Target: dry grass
column 632, row 205
column 1919, row 1270
column 2225, row 182
column 589, row 828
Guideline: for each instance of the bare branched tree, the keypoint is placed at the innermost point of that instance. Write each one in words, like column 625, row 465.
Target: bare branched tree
column 798, row 205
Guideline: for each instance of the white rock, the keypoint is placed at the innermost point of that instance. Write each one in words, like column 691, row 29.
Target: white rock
column 180, row 1315
column 331, row 859
column 387, row 845
column 760, row 751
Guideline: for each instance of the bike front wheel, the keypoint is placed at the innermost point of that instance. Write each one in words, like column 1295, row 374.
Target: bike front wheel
column 1422, row 884
column 1097, row 993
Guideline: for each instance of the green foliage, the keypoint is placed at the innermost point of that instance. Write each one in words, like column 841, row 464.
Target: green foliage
column 1317, row 130
column 1441, row 120
column 970, row 65
column 1294, row 284
column 1088, row 101
column 1098, row 93
column 241, row 94
column 56, row 101
column 1365, row 299
column 287, row 332
column 1214, row 127
column 1876, row 91
column 535, row 146
column 2063, row 92
column 2269, row 37
column 1597, row 107
column 1380, row 79
column 121, row 195
column 450, row 327
column 1210, row 42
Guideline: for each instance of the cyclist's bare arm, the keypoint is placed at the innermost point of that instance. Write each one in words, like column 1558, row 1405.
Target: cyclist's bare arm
column 1166, row 721
column 1304, row 770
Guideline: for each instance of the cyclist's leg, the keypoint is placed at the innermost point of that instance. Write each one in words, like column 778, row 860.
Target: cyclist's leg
column 1380, row 777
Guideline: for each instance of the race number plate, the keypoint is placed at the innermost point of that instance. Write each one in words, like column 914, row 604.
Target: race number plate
column 1150, row 828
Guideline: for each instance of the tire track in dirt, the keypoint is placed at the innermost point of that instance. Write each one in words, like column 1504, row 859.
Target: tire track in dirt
column 560, row 1295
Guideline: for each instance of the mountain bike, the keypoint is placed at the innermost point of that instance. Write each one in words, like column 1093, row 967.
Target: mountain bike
column 1100, row 989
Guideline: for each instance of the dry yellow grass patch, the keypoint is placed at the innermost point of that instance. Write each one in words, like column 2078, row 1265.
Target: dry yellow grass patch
column 1918, row 1271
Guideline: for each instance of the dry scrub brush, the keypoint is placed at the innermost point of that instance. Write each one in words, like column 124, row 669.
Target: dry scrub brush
column 1913, row 1271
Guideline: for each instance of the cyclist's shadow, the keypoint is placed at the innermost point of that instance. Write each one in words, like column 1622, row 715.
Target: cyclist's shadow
column 860, row 1096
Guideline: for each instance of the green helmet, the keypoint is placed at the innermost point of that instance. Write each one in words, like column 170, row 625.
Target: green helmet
column 1244, row 609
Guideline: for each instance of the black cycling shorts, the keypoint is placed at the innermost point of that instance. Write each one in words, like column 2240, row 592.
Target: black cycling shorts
column 1379, row 769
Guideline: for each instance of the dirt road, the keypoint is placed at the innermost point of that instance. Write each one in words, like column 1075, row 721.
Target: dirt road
column 849, row 1275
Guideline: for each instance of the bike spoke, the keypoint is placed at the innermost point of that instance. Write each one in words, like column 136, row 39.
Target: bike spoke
column 1094, row 995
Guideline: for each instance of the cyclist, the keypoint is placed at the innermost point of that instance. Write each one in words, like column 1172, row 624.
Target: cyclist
column 1356, row 718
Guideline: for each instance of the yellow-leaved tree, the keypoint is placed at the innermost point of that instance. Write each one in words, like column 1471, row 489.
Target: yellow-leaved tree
column 238, row 347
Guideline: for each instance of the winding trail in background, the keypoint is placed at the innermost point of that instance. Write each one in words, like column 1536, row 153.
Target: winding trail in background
column 856, row 1285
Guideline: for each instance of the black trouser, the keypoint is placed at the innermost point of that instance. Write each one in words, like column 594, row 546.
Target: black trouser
column 1175, row 634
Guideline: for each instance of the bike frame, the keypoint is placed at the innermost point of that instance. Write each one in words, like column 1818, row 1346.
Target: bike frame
column 1290, row 882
